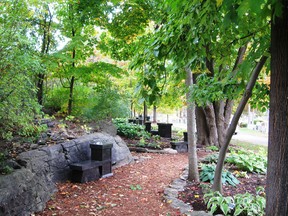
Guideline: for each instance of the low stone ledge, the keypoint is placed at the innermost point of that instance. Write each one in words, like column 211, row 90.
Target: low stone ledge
column 171, row 195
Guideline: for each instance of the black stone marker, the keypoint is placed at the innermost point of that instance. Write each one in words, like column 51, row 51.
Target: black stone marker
column 100, row 165
column 165, row 130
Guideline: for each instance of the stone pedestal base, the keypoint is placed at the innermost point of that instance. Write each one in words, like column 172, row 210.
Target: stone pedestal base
column 180, row 146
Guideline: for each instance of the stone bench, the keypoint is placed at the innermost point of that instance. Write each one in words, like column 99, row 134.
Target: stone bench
column 180, row 147
column 100, row 165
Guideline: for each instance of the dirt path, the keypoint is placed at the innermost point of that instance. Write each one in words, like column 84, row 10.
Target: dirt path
column 135, row 189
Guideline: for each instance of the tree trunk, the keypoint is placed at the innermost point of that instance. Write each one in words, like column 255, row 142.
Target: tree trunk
column 144, row 113
column 40, row 84
column 220, row 121
column 211, row 123
column 72, row 81
column 277, row 174
column 70, row 101
column 217, row 185
column 154, row 114
column 46, row 41
column 193, row 174
column 202, row 128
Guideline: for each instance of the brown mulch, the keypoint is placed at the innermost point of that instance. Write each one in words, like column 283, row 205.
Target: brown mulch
column 135, row 189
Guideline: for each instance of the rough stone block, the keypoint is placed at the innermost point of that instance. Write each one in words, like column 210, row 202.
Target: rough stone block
column 85, row 171
column 180, row 147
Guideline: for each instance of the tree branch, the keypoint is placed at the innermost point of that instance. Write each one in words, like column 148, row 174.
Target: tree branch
column 217, row 185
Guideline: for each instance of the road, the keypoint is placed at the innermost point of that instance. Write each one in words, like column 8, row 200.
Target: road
column 256, row 138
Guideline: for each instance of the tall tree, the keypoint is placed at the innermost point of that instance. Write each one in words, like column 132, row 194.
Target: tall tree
column 277, row 173
column 43, row 22
column 193, row 174
column 77, row 20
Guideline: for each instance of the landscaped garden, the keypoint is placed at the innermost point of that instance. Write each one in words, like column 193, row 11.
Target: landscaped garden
column 73, row 69
column 141, row 184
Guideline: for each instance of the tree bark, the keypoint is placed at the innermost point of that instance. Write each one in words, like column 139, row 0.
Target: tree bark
column 202, row 128
column 211, row 123
column 277, row 173
column 193, row 174
column 220, row 121
column 46, row 40
column 154, row 114
column 72, row 81
column 70, row 101
column 217, row 185
column 144, row 113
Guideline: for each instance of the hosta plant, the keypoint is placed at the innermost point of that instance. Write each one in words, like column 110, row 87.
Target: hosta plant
column 207, row 175
column 248, row 161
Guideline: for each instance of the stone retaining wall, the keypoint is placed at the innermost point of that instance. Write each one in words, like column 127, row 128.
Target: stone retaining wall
column 28, row 189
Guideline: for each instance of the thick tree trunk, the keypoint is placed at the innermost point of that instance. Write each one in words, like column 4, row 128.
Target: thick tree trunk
column 277, row 174
column 212, row 126
column 193, row 174
column 220, row 120
column 202, row 128
column 217, row 185
column 212, row 123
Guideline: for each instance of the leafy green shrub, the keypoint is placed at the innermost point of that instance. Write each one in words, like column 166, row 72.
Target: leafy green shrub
column 243, row 125
column 207, row 175
column 240, row 204
column 248, row 161
column 56, row 100
column 212, row 148
column 247, row 204
column 130, row 130
column 215, row 200
column 212, row 158
column 4, row 168
column 103, row 104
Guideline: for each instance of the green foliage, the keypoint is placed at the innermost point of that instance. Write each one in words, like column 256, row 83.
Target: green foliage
column 248, row 161
column 4, row 168
column 210, row 89
column 247, row 204
column 207, row 175
column 260, row 97
column 212, row 148
column 56, row 100
column 130, row 130
column 240, row 204
column 18, row 66
column 135, row 187
column 103, row 104
column 243, row 125
column 215, row 201
column 212, row 158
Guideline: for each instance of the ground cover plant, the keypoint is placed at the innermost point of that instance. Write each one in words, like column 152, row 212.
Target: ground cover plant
column 245, row 197
column 135, row 135
column 248, row 161
column 130, row 130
